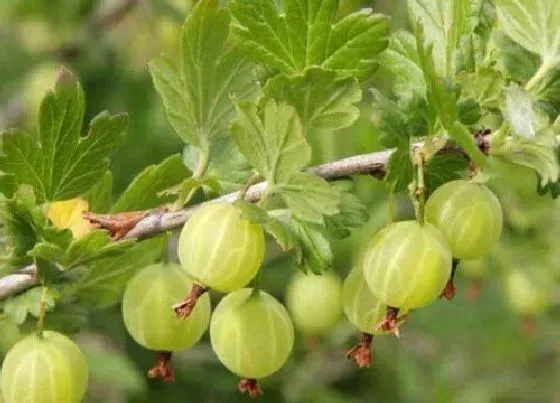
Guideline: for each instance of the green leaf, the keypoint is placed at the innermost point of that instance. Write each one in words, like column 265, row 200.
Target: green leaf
column 443, row 168
column 274, row 144
column 547, row 94
column 353, row 212
column 23, row 222
column 143, row 192
column 469, row 111
column 355, row 42
column 102, row 282
column 60, row 163
column 8, row 184
column 440, row 94
column 67, row 318
column 313, row 250
column 322, row 99
column 516, row 62
column 252, row 212
column 309, row 197
column 281, row 232
column 400, row 62
column 447, row 24
column 29, row 303
column 304, row 34
column 227, row 166
column 93, row 246
column 400, row 170
column 539, row 154
column 100, row 196
column 196, row 92
column 534, row 25
column 485, row 86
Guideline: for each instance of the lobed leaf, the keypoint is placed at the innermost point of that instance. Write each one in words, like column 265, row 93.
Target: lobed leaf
column 102, row 282
column 534, row 25
column 59, row 163
column 274, row 144
column 309, row 197
column 304, row 34
column 322, row 99
column 144, row 191
column 196, row 91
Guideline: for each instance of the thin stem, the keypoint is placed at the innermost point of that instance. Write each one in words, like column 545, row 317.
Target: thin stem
column 256, row 283
column 420, row 187
column 42, row 310
column 391, row 206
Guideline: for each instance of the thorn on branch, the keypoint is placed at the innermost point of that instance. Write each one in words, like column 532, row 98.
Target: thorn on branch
column 162, row 369
column 361, row 352
column 119, row 225
column 184, row 308
column 250, row 386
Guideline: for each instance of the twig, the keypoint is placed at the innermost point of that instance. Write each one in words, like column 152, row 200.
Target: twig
column 373, row 164
column 17, row 282
column 156, row 222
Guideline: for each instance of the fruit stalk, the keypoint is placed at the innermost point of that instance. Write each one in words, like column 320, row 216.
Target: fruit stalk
column 420, row 187
column 250, row 386
column 184, row 308
column 449, row 290
column 361, row 352
column 162, row 369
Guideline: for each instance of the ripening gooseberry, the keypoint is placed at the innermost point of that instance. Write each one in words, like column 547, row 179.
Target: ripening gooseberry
column 365, row 312
column 252, row 335
column 147, row 312
column 314, row 302
column 47, row 368
column 407, row 265
column 361, row 307
column 525, row 295
column 469, row 215
column 220, row 249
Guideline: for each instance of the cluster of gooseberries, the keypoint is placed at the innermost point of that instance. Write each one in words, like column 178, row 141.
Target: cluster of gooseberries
column 406, row 266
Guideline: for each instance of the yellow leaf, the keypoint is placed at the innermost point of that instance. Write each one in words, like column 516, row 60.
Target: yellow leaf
column 68, row 214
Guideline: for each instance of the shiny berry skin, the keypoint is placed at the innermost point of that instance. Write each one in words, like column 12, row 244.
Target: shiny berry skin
column 469, row 215
column 361, row 307
column 148, row 314
column 220, row 249
column 44, row 369
column 251, row 333
column 407, row 265
column 314, row 302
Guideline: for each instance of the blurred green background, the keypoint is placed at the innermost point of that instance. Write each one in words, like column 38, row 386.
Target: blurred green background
column 489, row 344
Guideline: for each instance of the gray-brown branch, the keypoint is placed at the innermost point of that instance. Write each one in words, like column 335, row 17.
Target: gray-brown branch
column 372, row 164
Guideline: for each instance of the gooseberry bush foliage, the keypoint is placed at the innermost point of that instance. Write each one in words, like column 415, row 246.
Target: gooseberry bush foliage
column 473, row 85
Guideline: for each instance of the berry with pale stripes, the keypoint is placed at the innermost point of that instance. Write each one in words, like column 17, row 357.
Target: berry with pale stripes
column 252, row 335
column 220, row 249
column 469, row 215
column 365, row 312
column 314, row 302
column 407, row 264
column 151, row 322
column 45, row 368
